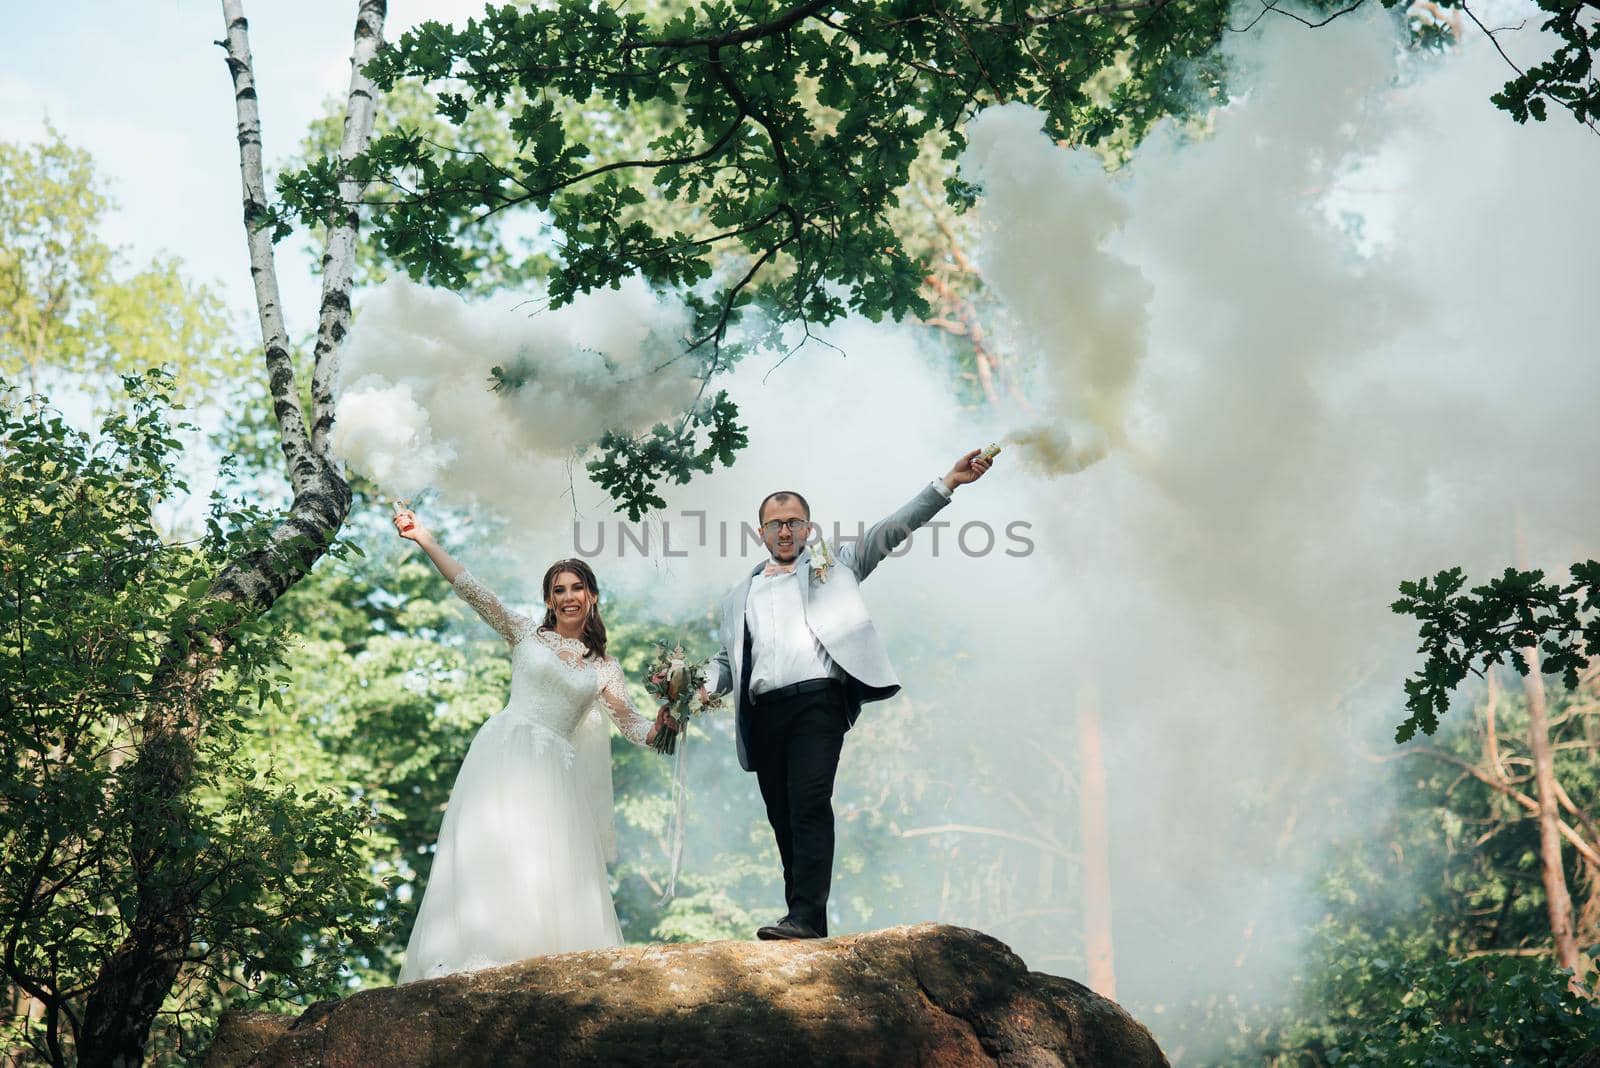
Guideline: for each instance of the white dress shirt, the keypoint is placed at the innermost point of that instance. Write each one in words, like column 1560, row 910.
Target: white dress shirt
column 783, row 651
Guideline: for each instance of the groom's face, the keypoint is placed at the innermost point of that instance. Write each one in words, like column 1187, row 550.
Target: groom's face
column 784, row 526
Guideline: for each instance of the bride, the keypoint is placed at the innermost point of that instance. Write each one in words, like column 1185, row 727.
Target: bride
column 520, row 868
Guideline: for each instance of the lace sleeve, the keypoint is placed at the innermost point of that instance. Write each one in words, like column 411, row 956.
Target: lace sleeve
column 614, row 696
column 508, row 623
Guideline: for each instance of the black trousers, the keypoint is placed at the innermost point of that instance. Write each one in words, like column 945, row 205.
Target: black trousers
column 796, row 753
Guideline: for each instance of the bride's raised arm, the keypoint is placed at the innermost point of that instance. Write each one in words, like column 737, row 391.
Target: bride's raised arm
column 508, row 623
column 614, row 696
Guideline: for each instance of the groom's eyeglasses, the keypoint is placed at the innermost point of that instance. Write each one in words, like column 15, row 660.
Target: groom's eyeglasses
column 795, row 526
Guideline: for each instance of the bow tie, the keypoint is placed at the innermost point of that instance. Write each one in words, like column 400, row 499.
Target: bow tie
column 777, row 569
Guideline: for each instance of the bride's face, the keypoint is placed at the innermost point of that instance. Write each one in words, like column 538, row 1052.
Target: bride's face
column 570, row 598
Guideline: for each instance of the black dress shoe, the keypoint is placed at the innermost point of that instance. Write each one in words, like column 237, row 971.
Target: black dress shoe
column 786, row 930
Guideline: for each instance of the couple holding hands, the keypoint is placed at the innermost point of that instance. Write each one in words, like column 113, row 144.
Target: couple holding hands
column 520, row 867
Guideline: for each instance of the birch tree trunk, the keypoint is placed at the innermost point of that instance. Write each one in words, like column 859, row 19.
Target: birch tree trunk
column 135, row 980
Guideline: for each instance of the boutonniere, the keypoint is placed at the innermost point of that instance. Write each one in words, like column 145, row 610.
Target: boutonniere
column 821, row 561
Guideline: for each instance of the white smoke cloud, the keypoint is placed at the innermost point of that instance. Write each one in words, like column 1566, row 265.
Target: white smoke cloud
column 420, row 360
column 383, row 432
column 1079, row 307
column 1352, row 355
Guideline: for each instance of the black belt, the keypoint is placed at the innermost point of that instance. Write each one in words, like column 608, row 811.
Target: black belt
column 783, row 692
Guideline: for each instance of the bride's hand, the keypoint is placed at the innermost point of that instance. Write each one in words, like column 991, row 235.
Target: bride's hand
column 406, row 525
column 663, row 723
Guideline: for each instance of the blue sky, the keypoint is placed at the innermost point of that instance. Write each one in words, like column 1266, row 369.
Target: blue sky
column 143, row 87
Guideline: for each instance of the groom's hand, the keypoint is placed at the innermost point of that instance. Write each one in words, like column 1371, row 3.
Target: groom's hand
column 969, row 468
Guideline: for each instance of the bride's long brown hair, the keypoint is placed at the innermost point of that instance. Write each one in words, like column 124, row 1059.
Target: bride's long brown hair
column 594, row 628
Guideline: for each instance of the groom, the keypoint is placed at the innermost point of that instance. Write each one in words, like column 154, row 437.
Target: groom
column 801, row 656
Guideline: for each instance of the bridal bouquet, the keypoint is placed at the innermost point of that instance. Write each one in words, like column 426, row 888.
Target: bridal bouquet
column 675, row 681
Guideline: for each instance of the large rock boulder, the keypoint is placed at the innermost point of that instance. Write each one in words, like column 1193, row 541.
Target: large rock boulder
column 923, row 995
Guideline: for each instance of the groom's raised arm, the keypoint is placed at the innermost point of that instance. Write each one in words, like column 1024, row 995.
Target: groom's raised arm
column 863, row 556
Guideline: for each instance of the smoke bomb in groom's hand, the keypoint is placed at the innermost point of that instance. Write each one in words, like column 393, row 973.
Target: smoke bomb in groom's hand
column 970, row 467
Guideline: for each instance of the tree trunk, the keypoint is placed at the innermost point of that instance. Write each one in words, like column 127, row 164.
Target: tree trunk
column 1558, row 901
column 134, row 981
column 1098, row 951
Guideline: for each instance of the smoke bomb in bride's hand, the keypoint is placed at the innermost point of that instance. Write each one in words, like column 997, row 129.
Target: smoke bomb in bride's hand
column 404, row 519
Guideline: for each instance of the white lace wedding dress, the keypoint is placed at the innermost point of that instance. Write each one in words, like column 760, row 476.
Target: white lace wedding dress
column 520, row 868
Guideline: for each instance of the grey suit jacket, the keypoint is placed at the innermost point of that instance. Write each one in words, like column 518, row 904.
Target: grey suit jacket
column 834, row 612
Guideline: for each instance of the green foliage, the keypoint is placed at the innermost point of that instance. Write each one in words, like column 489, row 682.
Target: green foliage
column 1567, row 77
column 1502, row 619
column 797, row 130
column 629, row 468
column 1479, row 1013
column 99, row 618
column 749, row 158
column 66, row 302
column 493, row 258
